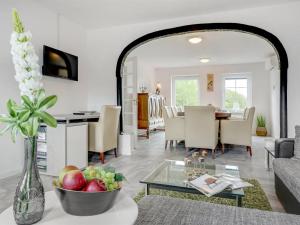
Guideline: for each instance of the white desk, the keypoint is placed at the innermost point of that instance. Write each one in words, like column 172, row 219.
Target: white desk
column 67, row 144
column 124, row 212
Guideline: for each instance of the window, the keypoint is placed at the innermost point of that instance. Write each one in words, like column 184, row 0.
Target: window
column 185, row 91
column 236, row 96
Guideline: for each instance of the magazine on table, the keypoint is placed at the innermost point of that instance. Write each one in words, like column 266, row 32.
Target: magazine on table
column 212, row 185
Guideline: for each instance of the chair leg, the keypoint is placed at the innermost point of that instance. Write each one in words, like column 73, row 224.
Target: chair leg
column 115, row 151
column 223, row 148
column 171, row 144
column 249, row 149
column 213, row 153
column 166, row 144
column 102, row 157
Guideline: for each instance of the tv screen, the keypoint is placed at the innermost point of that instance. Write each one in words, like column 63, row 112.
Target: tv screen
column 60, row 64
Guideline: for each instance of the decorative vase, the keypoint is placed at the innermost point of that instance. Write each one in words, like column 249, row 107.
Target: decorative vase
column 29, row 199
column 261, row 131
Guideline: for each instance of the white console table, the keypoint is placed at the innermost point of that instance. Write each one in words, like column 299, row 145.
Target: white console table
column 67, row 144
column 124, row 212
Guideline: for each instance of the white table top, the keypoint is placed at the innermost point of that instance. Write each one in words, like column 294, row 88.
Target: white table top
column 76, row 117
column 124, row 212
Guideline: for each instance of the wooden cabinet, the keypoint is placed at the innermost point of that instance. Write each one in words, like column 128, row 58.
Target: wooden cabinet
column 150, row 111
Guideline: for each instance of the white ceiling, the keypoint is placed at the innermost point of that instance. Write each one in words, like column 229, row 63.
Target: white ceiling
column 222, row 47
column 104, row 13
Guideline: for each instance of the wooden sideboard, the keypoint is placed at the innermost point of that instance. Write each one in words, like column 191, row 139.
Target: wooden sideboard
column 150, row 111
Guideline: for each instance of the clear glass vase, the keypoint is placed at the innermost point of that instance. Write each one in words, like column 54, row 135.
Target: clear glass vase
column 29, row 199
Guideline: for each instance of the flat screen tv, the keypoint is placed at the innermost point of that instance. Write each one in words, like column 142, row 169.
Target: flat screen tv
column 60, row 64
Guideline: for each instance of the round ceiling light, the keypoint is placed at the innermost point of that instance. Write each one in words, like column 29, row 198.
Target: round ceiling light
column 195, row 40
column 204, row 60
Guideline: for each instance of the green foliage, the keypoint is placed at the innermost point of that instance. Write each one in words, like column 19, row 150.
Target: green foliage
column 26, row 118
column 17, row 23
column 261, row 121
column 233, row 98
column 187, row 92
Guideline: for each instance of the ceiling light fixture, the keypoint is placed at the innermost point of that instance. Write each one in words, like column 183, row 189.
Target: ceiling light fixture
column 195, row 40
column 204, row 60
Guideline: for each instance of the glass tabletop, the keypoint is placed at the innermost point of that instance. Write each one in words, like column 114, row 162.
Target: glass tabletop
column 172, row 173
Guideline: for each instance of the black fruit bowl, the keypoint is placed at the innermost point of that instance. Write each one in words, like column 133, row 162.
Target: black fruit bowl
column 81, row 203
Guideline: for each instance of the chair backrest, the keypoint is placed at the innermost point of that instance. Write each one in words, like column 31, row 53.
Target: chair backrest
column 246, row 112
column 109, row 119
column 174, row 110
column 167, row 112
column 249, row 116
column 200, row 126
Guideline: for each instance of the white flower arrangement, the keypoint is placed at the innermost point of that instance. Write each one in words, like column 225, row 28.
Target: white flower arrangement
column 27, row 117
column 26, row 64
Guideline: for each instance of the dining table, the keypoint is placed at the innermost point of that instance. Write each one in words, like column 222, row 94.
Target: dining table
column 220, row 115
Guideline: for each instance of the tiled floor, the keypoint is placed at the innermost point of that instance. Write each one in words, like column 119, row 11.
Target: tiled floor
column 150, row 153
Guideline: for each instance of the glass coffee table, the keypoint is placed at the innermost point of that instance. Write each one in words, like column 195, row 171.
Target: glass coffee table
column 172, row 175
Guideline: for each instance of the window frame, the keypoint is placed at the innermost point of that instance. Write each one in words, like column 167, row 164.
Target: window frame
column 184, row 77
column 246, row 75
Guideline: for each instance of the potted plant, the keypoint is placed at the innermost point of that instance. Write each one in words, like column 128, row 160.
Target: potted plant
column 25, row 119
column 261, row 129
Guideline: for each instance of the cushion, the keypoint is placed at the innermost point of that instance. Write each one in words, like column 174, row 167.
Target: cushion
column 297, row 142
column 160, row 210
column 288, row 172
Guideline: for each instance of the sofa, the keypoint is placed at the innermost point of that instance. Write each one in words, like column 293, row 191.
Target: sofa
column 287, row 175
column 161, row 210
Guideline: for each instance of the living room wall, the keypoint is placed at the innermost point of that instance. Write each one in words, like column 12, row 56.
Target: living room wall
column 105, row 46
column 46, row 30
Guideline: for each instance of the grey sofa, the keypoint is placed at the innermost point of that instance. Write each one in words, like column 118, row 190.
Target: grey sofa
column 159, row 210
column 287, row 175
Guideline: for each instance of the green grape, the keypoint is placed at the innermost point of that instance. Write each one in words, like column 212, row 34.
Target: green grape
column 102, row 173
column 115, row 185
column 93, row 173
column 110, row 187
column 110, row 175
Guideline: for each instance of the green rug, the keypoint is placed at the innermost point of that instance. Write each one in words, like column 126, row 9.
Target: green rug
column 254, row 198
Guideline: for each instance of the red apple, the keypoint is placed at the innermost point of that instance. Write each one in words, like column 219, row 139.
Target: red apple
column 74, row 180
column 94, row 186
column 64, row 171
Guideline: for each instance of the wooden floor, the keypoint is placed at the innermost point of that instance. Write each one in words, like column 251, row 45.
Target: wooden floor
column 149, row 153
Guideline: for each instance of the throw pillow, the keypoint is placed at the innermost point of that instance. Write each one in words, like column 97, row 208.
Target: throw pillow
column 297, row 142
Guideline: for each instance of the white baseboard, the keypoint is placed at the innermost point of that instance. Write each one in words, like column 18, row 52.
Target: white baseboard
column 10, row 174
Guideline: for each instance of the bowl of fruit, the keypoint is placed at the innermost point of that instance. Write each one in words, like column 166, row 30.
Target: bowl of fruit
column 87, row 192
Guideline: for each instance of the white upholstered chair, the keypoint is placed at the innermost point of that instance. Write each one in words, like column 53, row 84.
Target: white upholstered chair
column 103, row 135
column 238, row 132
column 201, row 127
column 174, row 126
column 174, row 110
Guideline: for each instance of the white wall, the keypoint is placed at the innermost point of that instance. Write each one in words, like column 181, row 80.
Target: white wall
column 45, row 28
column 105, row 46
column 275, row 101
column 145, row 75
column 259, row 79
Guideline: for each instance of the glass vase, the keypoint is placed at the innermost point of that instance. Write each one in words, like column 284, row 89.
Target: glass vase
column 29, row 199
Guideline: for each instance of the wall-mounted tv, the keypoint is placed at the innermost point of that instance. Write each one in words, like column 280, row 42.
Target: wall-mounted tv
column 60, row 64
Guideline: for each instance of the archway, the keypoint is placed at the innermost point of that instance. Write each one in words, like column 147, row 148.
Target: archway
column 269, row 37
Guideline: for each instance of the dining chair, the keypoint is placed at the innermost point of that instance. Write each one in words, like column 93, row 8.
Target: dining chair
column 238, row 132
column 103, row 135
column 201, row 128
column 174, row 127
